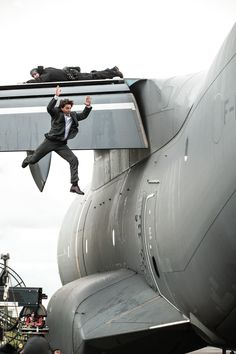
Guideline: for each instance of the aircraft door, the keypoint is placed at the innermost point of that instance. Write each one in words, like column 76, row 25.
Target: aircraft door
column 155, row 277
column 81, row 241
column 149, row 238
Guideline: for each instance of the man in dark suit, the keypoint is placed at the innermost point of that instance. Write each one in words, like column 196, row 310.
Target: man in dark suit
column 69, row 73
column 64, row 126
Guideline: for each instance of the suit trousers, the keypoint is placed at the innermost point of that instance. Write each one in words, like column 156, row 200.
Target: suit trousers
column 93, row 75
column 61, row 149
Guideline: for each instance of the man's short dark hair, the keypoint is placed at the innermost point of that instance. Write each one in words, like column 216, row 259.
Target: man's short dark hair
column 38, row 70
column 65, row 102
column 34, row 70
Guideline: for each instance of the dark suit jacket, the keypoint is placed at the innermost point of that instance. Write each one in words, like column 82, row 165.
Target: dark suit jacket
column 50, row 75
column 57, row 130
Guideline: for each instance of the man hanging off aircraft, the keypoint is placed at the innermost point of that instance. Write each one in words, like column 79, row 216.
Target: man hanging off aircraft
column 70, row 73
column 64, row 126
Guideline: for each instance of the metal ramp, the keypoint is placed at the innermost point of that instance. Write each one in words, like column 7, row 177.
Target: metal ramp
column 114, row 122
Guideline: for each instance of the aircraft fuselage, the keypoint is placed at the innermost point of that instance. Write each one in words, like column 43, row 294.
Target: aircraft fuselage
column 171, row 214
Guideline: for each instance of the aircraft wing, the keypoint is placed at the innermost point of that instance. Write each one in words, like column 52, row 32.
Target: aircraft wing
column 113, row 123
column 110, row 311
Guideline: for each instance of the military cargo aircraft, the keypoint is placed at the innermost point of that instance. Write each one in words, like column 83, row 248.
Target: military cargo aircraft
column 147, row 256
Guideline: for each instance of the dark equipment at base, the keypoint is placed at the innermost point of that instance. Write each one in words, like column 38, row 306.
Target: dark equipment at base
column 31, row 319
column 29, row 297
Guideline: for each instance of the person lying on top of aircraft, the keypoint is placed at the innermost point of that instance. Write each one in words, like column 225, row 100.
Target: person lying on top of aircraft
column 70, row 73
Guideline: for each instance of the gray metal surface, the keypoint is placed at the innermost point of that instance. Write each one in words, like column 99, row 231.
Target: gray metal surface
column 207, row 351
column 210, row 350
column 69, row 88
column 167, row 214
column 165, row 105
column 103, row 306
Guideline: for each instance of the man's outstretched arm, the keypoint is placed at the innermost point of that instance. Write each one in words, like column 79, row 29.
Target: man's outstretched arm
column 52, row 103
column 87, row 109
column 88, row 101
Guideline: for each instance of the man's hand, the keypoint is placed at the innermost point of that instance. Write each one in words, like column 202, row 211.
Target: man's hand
column 58, row 91
column 88, row 101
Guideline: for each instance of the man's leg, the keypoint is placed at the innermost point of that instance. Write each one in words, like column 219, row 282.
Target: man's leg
column 107, row 74
column 66, row 153
column 99, row 75
column 42, row 150
column 84, row 76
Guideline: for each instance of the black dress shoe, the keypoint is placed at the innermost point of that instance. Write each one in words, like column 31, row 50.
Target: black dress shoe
column 117, row 72
column 24, row 163
column 76, row 189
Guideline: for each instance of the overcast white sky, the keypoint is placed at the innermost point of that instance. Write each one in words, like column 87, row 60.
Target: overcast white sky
column 151, row 38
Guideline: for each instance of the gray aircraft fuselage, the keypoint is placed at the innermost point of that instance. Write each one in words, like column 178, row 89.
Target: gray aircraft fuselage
column 166, row 213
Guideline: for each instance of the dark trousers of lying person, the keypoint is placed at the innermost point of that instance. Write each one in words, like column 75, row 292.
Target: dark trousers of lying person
column 64, row 126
